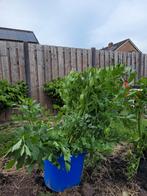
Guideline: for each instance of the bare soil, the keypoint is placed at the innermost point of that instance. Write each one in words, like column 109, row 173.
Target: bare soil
column 109, row 179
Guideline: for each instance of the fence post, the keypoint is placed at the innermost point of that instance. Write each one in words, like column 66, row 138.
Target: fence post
column 27, row 67
column 93, row 57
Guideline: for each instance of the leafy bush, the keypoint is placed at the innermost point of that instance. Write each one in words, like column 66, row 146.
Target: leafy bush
column 37, row 140
column 135, row 104
column 11, row 94
column 98, row 93
column 52, row 90
column 93, row 100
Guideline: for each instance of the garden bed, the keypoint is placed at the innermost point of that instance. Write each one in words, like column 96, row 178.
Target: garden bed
column 102, row 116
column 109, row 179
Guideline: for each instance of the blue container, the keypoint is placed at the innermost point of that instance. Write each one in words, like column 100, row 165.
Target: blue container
column 58, row 179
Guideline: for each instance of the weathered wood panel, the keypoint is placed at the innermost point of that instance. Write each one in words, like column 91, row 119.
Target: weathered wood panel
column 40, row 72
column 54, row 56
column 33, row 72
column 47, row 63
column 79, row 60
column 67, row 56
column 73, row 59
column 145, row 69
column 85, row 60
column 61, row 62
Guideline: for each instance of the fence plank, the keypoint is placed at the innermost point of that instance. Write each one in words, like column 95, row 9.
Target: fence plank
column 102, row 59
column 116, row 56
column 61, row 62
column 145, row 74
column 142, row 65
column 79, row 60
column 67, row 54
column 133, row 60
column 40, row 70
column 111, row 55
column 21, row 62
column 107, row 62
column 73, row 59
column 5, row 72
column 89, row 58
column 85, row 62
column 47, row 63
column 33, row 72
column 13, row 61
column 54, row 54
column 97, row 58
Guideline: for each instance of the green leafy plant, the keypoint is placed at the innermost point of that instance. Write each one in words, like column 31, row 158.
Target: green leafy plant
column 37, row 140
column 52, row 91
column 11, row 94
column 136, row 103
column 92, row 100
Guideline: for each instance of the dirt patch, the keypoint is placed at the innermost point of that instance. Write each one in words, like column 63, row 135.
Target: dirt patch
column 107, row 180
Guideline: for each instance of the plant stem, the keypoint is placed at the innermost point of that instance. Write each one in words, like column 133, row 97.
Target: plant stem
column 139, row 123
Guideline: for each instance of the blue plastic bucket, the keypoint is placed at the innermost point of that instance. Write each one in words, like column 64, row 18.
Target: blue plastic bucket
column 58, row 179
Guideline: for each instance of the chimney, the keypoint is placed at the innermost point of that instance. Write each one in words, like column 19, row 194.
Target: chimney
column 110, row 44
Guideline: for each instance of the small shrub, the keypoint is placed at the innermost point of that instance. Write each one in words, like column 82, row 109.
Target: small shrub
column 11, row 94
column 52, row 90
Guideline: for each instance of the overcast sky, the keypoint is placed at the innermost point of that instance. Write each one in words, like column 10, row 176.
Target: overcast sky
column 79, row 23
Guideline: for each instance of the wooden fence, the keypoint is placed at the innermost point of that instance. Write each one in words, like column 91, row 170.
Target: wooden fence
column 37, row 64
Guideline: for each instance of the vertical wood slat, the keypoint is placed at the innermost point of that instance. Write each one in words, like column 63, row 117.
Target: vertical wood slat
column 145, row 74
column 85, row 62
column 47, row 63
column 61, row 62
column 133, row 61
column 55, row 68
column 13, row 61
column 33, row 72
column 137, row 63
column 107, row 62
column 102, row 59
column 142, row 65
column 116, row 59
column 124, row 61
column 4, row 64
column 120, row 56
column 111, row 56
column 97, row 58
column 67, row 56
column 79, row 60
column 73, row 59
column 40, row 73
column 21, row 62
column 89, row 58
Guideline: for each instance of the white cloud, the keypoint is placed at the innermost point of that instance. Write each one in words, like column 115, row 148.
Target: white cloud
column 78, row 23
column 128, row 20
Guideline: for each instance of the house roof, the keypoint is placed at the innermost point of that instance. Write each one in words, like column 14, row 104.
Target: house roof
column 118, row 44
column 17, row 35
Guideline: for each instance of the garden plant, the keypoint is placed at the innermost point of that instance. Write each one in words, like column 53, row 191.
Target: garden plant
column 93, row 102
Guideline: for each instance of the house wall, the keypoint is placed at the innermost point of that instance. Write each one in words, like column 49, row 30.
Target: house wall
column 127, row 47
